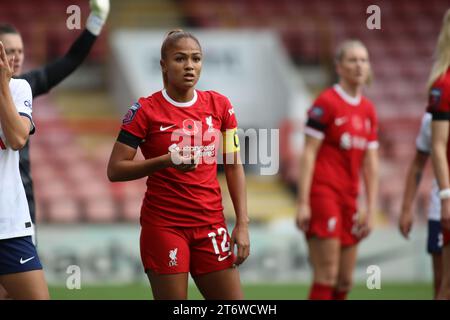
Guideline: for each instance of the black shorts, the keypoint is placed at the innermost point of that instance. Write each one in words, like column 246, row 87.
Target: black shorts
column 435, row 240
column 18, row 255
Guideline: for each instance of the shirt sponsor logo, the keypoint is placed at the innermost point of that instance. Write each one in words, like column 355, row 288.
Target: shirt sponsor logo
column 203, row 151
column 348, row 142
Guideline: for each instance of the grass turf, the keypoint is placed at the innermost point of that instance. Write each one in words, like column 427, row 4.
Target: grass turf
column 416, row 291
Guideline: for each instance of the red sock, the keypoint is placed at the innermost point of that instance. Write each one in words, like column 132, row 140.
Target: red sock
column 339, row 295
column 320, row 292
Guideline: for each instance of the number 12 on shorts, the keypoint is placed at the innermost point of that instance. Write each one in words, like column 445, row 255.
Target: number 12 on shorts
column 2, row 144
column 224, row 245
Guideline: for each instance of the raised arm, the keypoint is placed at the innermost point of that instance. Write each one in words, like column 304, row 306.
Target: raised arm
column 50, row 75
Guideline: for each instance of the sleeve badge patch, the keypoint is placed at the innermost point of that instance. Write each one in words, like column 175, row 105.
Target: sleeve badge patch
column 131, row 113
column 434, row 98
column 316, row 112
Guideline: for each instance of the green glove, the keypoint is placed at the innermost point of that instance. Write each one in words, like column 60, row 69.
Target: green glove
column 98, row 16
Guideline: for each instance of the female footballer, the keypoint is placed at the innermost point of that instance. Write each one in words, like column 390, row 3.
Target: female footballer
column 340, row 140
column 20, row 269
column 179, row 130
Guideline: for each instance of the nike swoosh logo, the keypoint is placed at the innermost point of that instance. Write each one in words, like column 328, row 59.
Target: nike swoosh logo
column 26, row 260
column 220, row 258
column 165, row 128
column 340, row 121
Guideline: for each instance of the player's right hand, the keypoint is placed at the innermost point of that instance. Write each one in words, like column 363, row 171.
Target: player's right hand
column 6, row 67
column 184, row 162
column 303, row 217
column 405, row 224
column 240, row 239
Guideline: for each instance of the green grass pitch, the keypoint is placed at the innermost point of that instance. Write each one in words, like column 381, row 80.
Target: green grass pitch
column 416, row 291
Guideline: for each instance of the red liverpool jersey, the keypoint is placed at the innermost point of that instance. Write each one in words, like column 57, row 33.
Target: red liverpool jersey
column 173, row 197
column 439, row 102
column 348, row 127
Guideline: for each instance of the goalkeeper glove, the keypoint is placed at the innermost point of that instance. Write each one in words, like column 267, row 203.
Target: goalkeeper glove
column 98, row 16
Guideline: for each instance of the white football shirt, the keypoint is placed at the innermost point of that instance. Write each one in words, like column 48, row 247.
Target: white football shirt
column 423, row 143
column 15, row 218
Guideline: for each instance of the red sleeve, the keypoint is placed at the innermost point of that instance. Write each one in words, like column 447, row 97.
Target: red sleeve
column 439, row 100
column 320, row 115
column 373, row 135
column 136, row 120
column 229, row 117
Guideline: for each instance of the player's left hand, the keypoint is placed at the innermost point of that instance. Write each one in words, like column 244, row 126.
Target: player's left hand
column 364, row 224
column 98, row 16
column 100, row 8
column 6, row 66
column 240, row 238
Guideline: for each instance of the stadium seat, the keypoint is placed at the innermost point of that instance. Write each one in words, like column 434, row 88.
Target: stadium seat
column 62, row 210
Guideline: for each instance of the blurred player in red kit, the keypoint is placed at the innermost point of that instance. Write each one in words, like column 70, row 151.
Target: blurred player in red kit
column 340, row 140
column 439, row 107
column 179, row 130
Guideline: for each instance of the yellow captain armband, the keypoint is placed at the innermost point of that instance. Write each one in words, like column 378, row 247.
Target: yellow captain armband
column 230, row 141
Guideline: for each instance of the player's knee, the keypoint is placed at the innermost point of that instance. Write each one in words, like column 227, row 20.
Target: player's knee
column 326, row 274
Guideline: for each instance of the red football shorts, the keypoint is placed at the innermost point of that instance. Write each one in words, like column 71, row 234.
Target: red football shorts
column 333, row 217
column 198, row 250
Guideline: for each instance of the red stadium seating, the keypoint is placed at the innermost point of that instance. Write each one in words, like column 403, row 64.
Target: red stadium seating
column 400, row 50
column 43, row 28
